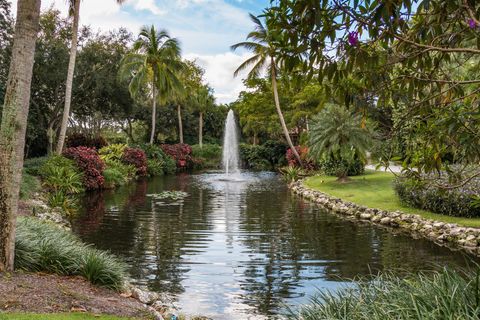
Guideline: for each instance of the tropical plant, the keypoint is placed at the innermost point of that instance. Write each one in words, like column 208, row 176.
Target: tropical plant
column 112, row 151
column 45, row 247
column 137, row 158
column 444, row 294
column 14, row 124
column 265, row 46
column 155, row 63
column 338, row 134
column 88, row 161
column 74, row 11
column 292, row 174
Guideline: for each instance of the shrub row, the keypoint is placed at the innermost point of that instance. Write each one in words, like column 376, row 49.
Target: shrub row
column 429, row 196
column 268, row 156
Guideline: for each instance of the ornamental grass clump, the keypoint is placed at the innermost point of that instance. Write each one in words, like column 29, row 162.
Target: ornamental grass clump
column 444, row 294
column 41, row 246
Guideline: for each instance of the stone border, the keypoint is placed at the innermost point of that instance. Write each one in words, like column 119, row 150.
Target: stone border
column 445, row 234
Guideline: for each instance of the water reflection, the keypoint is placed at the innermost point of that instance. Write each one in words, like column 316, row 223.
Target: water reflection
column 241, row 249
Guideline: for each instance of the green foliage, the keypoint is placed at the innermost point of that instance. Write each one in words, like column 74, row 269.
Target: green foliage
column 60, row 174
column 292, row 174
column 32, row 166
column 337, row 136
column 210, row 155
column 112, row 152
column 342, row 167
column 254, row 157
column 428, row 195
column 41, row 246
column 30, row 184
column 157, row 158
column 60, row 316
column 66, row 202
column 155, row 167
column 445, row 294
column 117, row 173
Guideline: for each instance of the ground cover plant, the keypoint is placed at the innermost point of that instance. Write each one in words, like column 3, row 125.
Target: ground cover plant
column 42, row 246
column 445, row 294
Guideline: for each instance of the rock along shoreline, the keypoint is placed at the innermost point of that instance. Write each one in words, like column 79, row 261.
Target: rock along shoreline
column 446, row 234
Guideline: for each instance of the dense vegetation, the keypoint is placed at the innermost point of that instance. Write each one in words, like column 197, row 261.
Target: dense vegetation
column 444, row 294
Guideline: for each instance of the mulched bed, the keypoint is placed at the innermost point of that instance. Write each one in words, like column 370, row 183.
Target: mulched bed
column 46, row 293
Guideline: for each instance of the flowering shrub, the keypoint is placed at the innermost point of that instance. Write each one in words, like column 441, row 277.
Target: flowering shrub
column 88, row 161
column 80, row 140
column 181, row 153
column 308, row 164
column 137, row 158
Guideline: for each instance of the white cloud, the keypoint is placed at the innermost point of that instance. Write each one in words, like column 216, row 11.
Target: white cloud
column 205, row 28
column 219, row 70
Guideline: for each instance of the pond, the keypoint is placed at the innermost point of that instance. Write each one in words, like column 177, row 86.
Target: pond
column 241, row 249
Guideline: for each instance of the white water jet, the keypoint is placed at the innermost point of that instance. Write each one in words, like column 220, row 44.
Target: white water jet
column 230, row 146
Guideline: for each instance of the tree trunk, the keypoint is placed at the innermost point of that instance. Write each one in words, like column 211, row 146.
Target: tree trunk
column 69, row 83
column 180, row 124
column 200, row 130
column 280, row 114
column 50, row 138
column 154, row 113
column 14, row 125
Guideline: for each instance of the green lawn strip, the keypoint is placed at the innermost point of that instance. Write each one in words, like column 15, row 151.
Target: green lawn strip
column 374, row 189
column 58, row 316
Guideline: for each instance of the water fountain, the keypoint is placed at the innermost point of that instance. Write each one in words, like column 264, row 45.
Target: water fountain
column 230, row 146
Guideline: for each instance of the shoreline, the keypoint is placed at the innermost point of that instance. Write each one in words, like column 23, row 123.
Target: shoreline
column 445, row 234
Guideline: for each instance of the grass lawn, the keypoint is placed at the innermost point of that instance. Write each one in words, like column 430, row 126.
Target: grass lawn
column 375, row 190
column 58, row 316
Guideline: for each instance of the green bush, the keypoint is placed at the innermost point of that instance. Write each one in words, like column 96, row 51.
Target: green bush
column 30, row 184
column 292, row 174
column 60, row 174
column 156, row 153
column 113, row 178
column 41, row 246
column 155, row 167
column 210, row 155
column 428, row 196
column 253, row 157
column 336, row 167
column 32, row 166
column 445, row 294
column 112, row 152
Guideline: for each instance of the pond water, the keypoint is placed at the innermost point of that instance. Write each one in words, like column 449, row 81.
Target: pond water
column 241, row 249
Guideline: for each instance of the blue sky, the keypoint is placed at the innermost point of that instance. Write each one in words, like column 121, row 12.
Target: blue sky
column 205, row 28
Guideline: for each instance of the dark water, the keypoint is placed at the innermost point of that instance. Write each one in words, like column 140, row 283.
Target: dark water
column 241, row 250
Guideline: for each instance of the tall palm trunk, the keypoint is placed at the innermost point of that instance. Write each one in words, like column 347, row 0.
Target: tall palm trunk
column 154, row 112
column 280, row 114
column 69, row 84
column 14, row 124
column 180, row 124
column 200, row 129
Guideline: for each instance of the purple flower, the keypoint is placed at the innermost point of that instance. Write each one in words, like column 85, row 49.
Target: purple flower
column 472, row 24
column 353, row 38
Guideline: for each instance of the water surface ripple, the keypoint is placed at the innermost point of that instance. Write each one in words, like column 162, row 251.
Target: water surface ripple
column 241, row 249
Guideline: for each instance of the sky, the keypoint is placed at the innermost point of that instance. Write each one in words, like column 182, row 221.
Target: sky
column 205, row 28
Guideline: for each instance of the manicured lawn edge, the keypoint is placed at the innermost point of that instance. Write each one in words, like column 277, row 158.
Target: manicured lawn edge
column 450, row 234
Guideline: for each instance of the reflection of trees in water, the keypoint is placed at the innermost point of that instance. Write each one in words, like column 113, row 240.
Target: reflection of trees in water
column 151, row 238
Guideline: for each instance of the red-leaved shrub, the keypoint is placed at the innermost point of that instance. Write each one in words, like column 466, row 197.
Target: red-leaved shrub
column 181, row 153
column 81, row 140
column 90, row 164
column 303, row 153
column 137, row 158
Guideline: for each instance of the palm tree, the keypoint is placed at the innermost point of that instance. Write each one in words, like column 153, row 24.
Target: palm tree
column 203, row 100
column 266, row 55
column 155, row 61
column 336, row 134
column 75, row 12
column 14, row 124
